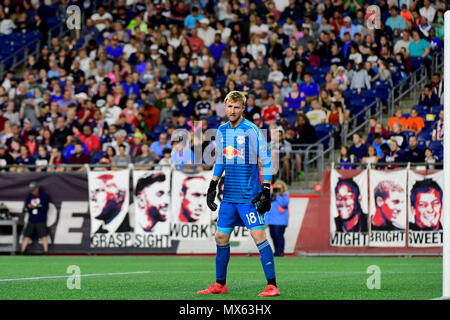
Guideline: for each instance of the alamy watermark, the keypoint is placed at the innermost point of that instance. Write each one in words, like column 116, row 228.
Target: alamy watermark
column 373, row 17
column 374, row 281
column 74, row 280
column 73, row 21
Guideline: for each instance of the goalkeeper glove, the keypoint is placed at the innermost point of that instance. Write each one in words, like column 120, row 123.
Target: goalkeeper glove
column 212, row 191
column 262, row 201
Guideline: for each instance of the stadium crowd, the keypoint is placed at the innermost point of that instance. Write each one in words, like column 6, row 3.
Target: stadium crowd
column 142, row 69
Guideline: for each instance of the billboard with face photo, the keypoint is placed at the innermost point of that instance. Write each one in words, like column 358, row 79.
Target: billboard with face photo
column 151, row 205
column 388, row 208
column 191, row 216
column 348, row 208
column 425, row 209
column 108, row 206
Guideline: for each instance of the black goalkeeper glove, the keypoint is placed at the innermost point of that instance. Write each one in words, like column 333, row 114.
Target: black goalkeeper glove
column 212, row 191
column 262, row 201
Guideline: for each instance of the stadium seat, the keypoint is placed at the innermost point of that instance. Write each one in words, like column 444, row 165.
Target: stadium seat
column 289, row 115
column 213, row 121
column 429, row 124
column 409, row 133
column 269, row 87
column 97, row 156
column 436, row 146
column 324, row 131
column 422, row 110
column 381, row 90
column 436, row 109
column 421, row 144
column 157, row 130
column 416, row 63
column 220, row 81
column 425, row 135
column 396, row 78
column 307, row 109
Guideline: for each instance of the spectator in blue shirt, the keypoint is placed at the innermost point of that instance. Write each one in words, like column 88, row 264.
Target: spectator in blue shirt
column 70, row 149
column 192, row 18
column 217, row 47
column 309, row 88
column 181, row 154
column 358, row 148
column 157, row 147
column 348, row 27
column 278, row 217
column 418, row 48
column 131, row 89
column 395, row 21
column 114, row 51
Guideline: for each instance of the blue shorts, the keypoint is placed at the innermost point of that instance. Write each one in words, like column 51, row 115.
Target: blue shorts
column 239, row 215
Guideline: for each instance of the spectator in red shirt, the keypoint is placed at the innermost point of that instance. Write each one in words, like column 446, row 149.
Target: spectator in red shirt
column 31, row 142
column 195, row 42
column 56, row 160
column 151, row 116
column 91, row 141
column 2, row 121
column 86, row 111
column 271, row 112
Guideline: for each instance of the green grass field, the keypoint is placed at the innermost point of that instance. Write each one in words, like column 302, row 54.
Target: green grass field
column 178, row 278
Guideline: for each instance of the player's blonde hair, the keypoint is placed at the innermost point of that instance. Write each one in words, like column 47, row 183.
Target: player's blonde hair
column 235, row 96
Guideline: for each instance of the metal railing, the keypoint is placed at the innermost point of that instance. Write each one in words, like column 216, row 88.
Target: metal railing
column 415, row 80
column 426, row 166
column 404, row 88
column 20, row 56
column 312, row 158
column 354, row 124
column 437, row 62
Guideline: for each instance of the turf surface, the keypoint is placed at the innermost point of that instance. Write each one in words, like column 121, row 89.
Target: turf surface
column 177, row 278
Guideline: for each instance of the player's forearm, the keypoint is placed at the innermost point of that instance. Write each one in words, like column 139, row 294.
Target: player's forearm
column 218, row 170
column 267, row 170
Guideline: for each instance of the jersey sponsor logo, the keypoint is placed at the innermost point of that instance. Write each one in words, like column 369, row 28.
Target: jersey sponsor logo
column 231, row 153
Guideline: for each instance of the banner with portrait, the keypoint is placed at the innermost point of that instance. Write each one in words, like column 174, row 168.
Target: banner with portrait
column 152, row 208
column 108, row 208
column 191, row 217
column 348, row 208
column 425, row 209
column 387, row 195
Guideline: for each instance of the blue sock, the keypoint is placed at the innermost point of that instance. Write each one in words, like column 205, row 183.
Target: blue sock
column 267, row 261
column 222, row 258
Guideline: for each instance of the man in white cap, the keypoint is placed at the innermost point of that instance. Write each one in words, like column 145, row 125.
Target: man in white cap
column 206, row 32
column 348, row 27
column 36, row 205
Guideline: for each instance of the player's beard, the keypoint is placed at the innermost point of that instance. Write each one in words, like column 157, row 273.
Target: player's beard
column 237, row 119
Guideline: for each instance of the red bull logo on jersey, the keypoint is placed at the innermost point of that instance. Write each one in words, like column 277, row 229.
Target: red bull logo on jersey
column 231, row 153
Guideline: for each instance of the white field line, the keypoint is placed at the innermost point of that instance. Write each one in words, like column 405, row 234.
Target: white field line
column 81, row 275
column 337, row 273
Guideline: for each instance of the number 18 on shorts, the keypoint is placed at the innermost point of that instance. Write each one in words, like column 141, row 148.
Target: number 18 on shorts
column 239, row 214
